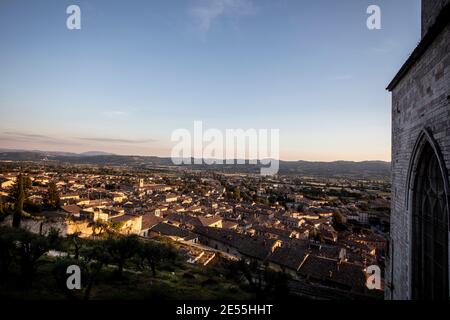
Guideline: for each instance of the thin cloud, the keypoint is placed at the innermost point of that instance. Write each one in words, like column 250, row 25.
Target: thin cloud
column 26, row 135
column 205, row 12
column 35, row 138
column 113, row 140
column 43, row 139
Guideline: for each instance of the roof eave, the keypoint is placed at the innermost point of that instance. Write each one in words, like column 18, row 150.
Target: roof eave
column 441, row 22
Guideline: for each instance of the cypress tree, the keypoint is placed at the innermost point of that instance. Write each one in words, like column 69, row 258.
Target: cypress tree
column 52, row 197
column 18, row 205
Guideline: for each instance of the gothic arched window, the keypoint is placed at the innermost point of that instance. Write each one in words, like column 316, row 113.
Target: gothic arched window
column 430, row 228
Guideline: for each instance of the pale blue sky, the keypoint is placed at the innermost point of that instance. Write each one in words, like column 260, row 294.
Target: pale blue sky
column 137, row 70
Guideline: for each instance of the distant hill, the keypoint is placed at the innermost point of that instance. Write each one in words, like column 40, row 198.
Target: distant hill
column 365, row 169
column 95, row 153
column 58, row 153
column 369, row 168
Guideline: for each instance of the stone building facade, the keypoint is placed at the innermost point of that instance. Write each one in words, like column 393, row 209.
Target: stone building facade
column 418, row 264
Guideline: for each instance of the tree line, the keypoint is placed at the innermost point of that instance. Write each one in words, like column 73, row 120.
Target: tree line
column 18, row 204
column 22, row 253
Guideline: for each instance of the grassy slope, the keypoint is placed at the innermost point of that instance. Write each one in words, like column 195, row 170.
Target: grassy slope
column 170, row 283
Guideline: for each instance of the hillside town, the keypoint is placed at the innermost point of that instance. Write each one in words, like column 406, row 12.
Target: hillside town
column 323, row 232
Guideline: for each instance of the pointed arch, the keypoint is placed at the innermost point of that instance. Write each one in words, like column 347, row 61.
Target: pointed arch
column 425, row 136
column 428, row 210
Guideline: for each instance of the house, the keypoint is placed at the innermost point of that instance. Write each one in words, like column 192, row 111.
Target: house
column 334, row 252
column 273, row 233
column 371, row 240
column 118, row 197
column 72, row 210
column 178, row 208
column 238, row 245
column 129, row 224
column 157, row 187
column 289, row 257
column 159, row 210
column 213, row 222
column 195, row 208
column 330, row 272
column 148, row 222
column 326, row 215
column 94, row 203
column 69, row 196
column 173, row 232
column 191, row 221
column 328, row 233
column 171, row 197
column 5, row 183
column 186, row 200
column 228, row 224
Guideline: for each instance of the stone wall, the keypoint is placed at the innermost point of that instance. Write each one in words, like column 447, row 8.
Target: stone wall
column 43, row 227
column 430, row 10
column 420, row 99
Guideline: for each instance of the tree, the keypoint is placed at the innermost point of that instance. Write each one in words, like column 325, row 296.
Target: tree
column 51, row 199
column 237, row 194
column 55, row 241
column 59, row 272
column 121, row 249
column 275, row 284
column 8, row 237
column 3, row 209
column 32, row 207
column 338, row 222
column 26, row 184
column 154, row 253
column 30, row 249
column 115, row 227
column 76, row 242
column 98, row 227
column 316, row 236
column 265, row 283
column 19, row 194
column 96, row 258
column 301, row 207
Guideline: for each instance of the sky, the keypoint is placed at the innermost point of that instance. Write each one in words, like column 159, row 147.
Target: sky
column 138, row 70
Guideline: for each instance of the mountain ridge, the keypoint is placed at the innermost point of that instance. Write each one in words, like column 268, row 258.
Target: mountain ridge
column 362, row 169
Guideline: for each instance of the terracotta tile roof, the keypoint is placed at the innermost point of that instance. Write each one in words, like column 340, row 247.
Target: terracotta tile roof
column 72, row 209
column 166, row 229
column 123, row 218
column 329, row 271
column 149, row 221
column 290, row 256
column 254, row 247
column 207, row 221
